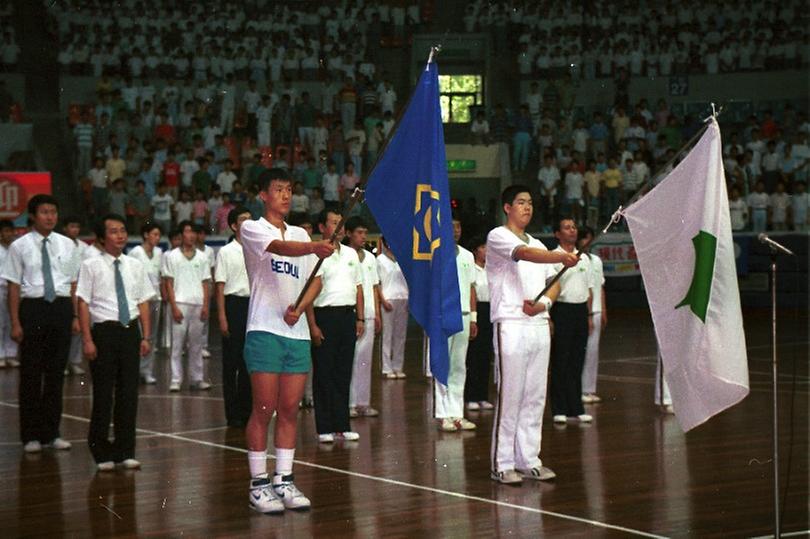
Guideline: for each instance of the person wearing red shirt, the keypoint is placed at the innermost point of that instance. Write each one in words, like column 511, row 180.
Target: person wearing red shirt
column 171, row 174
column 768, row 128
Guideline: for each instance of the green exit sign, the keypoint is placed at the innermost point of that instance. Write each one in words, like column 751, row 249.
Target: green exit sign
column 461, row 165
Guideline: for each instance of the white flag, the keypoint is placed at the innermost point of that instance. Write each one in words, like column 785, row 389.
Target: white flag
column 682, row 235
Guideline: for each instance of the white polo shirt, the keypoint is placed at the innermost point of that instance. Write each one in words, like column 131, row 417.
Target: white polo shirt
column 465, row 267
column 341, row 275
column 368, row 267
column 96, row 286
column 188, row 275
column 23, row 265
column 152, row 265
column 576, row 283
column 597, row 281
column 481, row 285
column 392, row 280
column 511, row 281
column 275, row 280
column 3, row 256
column 231, row 270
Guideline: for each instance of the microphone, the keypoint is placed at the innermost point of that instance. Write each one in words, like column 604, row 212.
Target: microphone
column 763, row 238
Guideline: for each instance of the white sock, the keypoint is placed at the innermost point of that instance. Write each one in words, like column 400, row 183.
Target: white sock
column 284, row 461
column 257, row 462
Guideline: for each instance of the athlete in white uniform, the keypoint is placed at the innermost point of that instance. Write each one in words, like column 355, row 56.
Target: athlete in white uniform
column 71, row 228
column 448, row 401
column 518, row 266
column 151, row 256
column 8, row 347
column 360, row 392
column 394, row 303
column 277, row 342
column 598, row 313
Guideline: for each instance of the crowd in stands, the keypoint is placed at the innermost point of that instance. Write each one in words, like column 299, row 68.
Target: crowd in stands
column 9, row 50
column 587, row 167
column 169, row 155
column 253, row 40
column 598, row 39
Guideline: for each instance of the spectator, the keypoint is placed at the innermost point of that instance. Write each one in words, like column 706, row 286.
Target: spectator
column 738, row 210
column 139, row 206
column 118, row 198
column 101, row 184
column 299, row 205
column 201, row 181
column 480, row 128
column 800, row 202
column 163, row 207
column 226, row 178
column 778, row 207
column 758, row 203
column 184, row 207
column 221, row 214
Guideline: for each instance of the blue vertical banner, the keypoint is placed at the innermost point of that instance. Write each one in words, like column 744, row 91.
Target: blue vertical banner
column 409, row 196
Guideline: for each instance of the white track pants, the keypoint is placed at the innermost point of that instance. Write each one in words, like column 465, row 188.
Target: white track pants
column 360, row 392
column 448, row 401
column 591, row 367
column 191, row 330
column 394, row 331
column 148, row 361
column 8, row 348
column 661, row 383
column 521, row 372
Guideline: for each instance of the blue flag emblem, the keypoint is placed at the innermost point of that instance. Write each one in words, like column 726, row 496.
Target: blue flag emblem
column 408, row 194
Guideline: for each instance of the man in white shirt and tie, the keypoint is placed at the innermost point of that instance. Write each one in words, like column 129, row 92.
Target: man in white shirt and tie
column 187, row 275
column 113, row 293
column 41, row 273
column 232, row 297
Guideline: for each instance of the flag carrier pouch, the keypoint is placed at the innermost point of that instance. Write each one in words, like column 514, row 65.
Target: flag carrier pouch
column 617, row 215
column 358, row 192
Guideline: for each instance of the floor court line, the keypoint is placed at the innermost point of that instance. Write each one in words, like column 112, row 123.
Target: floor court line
column 404, row 484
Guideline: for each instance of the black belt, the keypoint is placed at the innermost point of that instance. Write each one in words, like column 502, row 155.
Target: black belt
column 338, row 308
column 117, row 324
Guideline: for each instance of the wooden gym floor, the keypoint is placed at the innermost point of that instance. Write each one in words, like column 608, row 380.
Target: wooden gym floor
column 631, row 473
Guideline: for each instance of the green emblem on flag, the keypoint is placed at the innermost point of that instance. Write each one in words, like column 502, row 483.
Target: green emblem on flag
column 699, row 291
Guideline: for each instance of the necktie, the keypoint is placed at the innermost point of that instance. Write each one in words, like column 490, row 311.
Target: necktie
column 47, row 276
column 121, row 293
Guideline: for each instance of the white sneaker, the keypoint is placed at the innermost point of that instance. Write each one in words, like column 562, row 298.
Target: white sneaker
column 206, row 354
column 174, row 386
column 2, row 363
column 473, row 406
column 201, row 385
column 390, row 375
column 349, row 436
column 353, row 412
column 12, row 362
column 448, row 425
column 559, row 419
column 75, row 369
column 148, row 379
column 542, row 473
column 131, row 464
column 585, row 418
column 32, row 447
column 586, row 398
column 106, row 466
column 290, row 496
column 400, row 374
column 486, row 405
column 668, row 409
column 262, row 497
column 368, row 411
column 59, row 443
column 509, row 477
column 464, row 424
column 327, row 438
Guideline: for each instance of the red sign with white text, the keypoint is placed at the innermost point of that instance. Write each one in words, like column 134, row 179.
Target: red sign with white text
column 16, row 188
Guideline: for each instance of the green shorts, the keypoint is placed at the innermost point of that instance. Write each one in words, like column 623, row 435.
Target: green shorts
column 268, row 352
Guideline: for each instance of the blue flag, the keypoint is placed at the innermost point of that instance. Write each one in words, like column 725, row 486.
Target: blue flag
column 409, row 196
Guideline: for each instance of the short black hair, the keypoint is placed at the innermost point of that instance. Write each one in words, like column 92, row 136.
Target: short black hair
column 234, row 214
column 181, row 226
column 148, row 227
column 584, row 231
column 476, row 242
column 556, row 226
column 5, row 223
column 100, row 227
column 324, row 215
column 71, row 220
column 301, row 219
column 510, row 193
column 355, row 222
column 267, row 176
column 39, row 200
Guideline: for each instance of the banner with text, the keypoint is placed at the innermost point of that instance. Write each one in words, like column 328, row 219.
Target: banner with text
column 16, row 188
column 618, row 255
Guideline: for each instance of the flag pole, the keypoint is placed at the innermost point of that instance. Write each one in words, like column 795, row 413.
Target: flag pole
column 358, row 192
column 639, row 192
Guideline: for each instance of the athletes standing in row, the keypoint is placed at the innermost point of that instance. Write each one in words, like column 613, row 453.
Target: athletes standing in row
column 394, row 302
column 151, row 256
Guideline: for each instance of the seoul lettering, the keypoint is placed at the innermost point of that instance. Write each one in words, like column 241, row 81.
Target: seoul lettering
column 286, row 268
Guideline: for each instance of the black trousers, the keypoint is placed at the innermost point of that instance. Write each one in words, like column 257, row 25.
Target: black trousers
column 43, row 356
column 115, row 374
column 332, row 368
column 235, row 376
column 479, row 357
column 568, row 357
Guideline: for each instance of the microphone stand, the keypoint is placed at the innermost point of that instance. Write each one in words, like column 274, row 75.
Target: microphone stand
column 774, row 363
